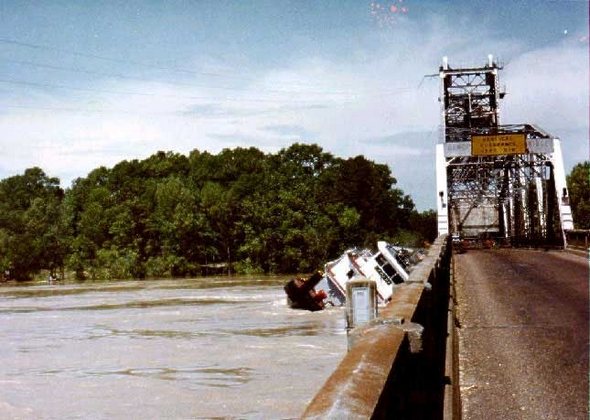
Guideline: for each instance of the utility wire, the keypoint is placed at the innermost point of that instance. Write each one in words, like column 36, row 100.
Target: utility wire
column 76, row 110
column 148, row 94
column 122, row 76
column 164, row 68
column 111, row 59
column 178, row 114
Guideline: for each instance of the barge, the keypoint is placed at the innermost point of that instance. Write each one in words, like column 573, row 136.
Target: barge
column 388, row 266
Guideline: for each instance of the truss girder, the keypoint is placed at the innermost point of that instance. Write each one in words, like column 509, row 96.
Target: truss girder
column 506, row 195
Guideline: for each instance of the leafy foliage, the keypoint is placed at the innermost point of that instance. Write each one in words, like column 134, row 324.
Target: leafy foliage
column 578, row 182
column 176, row 215
column 32, row 231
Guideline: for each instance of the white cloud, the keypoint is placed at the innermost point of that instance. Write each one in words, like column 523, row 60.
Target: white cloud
column 549, row 87
column 344, row 106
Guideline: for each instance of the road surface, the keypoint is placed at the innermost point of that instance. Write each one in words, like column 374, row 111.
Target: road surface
column 523, row 334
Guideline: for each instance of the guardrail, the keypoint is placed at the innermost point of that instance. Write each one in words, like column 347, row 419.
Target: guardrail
column 396, row 365
column 578, row 239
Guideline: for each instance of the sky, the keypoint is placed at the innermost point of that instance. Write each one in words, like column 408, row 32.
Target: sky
column 89, row 84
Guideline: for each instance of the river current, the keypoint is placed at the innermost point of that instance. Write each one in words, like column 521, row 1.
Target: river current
column 226, row 347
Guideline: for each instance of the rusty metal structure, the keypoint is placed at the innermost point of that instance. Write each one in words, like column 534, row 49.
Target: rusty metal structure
column 494, row 181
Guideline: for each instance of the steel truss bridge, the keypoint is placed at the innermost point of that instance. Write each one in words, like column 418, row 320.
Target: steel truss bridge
column 494, row 181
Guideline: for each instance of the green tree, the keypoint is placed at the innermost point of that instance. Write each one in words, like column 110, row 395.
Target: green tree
column 32, row 235
column 170, row 214
column 84, row 218
column 185, row 236
column 221, row 207
column 578, row 182
column 369, row 188
column 423, row 224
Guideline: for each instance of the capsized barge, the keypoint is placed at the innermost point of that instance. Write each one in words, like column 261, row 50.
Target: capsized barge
column 388, row 266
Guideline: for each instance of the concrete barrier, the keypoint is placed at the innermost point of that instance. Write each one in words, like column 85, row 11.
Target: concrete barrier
column 396, row 364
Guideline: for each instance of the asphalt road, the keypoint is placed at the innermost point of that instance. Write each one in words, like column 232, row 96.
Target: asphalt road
column 523, row 334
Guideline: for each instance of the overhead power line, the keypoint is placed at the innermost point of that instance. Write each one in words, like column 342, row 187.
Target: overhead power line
column 111, row 59
column 161, row 95
column 167, row 82
column 305, row 88
column 177, row 114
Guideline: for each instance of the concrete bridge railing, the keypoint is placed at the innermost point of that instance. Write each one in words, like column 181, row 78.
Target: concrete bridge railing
column 396, row 365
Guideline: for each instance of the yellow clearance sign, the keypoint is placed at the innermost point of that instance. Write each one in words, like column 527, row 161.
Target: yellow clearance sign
column 499, row 144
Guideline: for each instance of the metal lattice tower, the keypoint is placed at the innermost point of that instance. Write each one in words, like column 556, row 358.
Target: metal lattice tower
column 499, row 181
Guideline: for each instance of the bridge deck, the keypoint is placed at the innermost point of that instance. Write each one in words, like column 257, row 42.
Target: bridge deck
column 523, row 336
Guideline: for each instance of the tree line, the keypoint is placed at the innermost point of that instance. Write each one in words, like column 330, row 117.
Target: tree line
column 578, row 185
column 176, row 215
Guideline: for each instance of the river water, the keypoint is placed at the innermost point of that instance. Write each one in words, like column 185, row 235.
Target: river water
column 192, row 348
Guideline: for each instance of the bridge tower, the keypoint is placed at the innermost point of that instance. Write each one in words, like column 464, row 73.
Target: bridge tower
column 495, row 181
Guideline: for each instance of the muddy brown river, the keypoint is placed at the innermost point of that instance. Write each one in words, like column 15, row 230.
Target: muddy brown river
column 191, row 348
